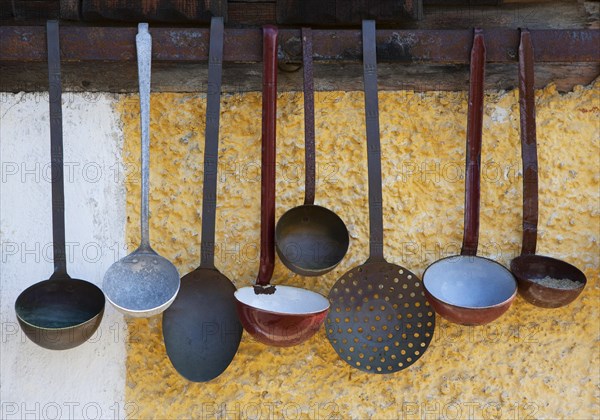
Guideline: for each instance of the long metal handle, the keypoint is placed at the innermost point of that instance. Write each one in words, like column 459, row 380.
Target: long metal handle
column 269, row 110
column 528, row 143
column 309, row 118
column 373, row 141
column 474, row 133
column 211, row 143
column 56, row 149
column 143, row 42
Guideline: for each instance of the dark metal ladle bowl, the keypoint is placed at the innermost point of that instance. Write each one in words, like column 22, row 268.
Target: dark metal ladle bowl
column 528, row 269
column 60, row 314
column 311, row 240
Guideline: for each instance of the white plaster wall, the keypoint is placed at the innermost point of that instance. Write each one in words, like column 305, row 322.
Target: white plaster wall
column 88, row 381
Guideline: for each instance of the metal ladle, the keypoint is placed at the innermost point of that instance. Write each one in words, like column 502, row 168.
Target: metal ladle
column 310, row 240
column 143, row 283
column 201, row 329
column 528, row 268
column 61, row 312
column 468, row 289
column 275, row 315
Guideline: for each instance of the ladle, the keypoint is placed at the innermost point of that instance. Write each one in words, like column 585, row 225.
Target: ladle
column 201, row 328
column 275, row 315
column 143, row 283
column 61, row 312
column 468, row 289
column 310, row 240
column 380, row 321
column 532, row 270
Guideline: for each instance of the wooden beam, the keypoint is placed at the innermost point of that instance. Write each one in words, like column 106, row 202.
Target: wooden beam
column 103, row 59
column 116, row 44
column 436, row 14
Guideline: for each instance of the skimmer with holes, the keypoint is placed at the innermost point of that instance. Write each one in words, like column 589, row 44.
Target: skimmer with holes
column 380, row 320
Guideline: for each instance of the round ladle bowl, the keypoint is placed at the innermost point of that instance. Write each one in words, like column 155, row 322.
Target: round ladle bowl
column 311, row 240
column 469, row 290
column 142, row 284
column 286, row 318
column 530, row 270
column 60, row 314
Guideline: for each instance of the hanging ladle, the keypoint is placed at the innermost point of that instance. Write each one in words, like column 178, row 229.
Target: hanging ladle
column 275, row 315
column 543, row 281
column 201, row 328
column 61, row 312
column 380, row 320
column 467, row 289
column 310, row 240
column 143, row 283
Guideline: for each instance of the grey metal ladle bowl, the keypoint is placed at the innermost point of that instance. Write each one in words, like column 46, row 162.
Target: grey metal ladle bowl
column 143, row 283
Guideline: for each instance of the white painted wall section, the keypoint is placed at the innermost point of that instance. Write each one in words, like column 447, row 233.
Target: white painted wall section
column 88, row 381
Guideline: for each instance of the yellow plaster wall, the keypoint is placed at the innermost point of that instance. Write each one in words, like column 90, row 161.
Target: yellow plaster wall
column 532, row 363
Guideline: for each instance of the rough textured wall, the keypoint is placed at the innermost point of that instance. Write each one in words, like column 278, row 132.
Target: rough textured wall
column 532, row 363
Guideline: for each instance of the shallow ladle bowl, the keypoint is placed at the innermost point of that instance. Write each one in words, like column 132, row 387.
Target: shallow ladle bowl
column 311, row 240
column 531, row 269
column 142, row 284
column 286, row 318
column 469, row 290
column 60, row 313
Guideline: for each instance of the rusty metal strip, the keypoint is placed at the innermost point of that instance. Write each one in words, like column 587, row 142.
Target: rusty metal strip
column 309, row 117
column 116, row 44
column 474, row 137
column 528, row 143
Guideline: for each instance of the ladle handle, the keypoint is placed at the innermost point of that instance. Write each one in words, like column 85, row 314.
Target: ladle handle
column 474, row 133
column 309, row 117
column 373, row 141
column 143, row 42
column 211, row 144
column 528, row 143
column 56, row 148
column 269, row 113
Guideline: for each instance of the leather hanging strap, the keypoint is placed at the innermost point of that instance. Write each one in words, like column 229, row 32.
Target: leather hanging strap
column 211, row 144
column 309, row 117
column 56, row 149
column 373, row 141
column 528, row 143
column 474, row 133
